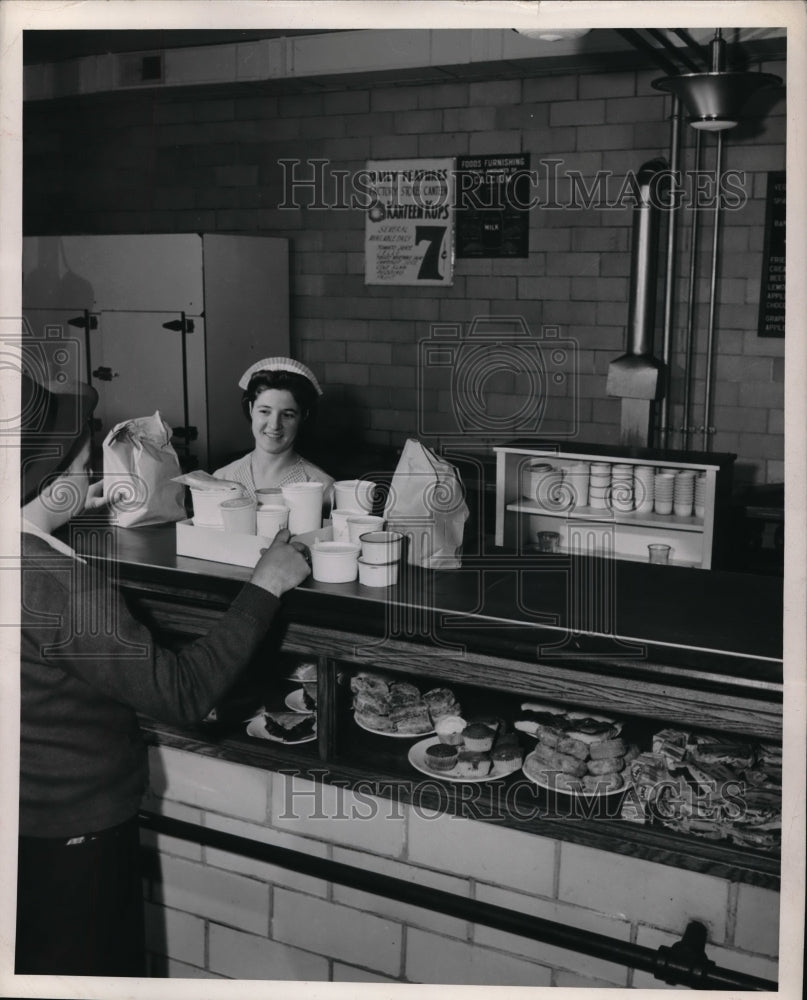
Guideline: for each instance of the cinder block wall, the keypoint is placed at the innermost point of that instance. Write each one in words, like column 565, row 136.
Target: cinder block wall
column 213, row 914
column 211, row 161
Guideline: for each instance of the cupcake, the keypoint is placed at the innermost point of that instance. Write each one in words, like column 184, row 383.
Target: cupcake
column 506, row 757
column 492, row 722
column 449, row 728
column 441, row 757
column 477, row 737
column 471, row 764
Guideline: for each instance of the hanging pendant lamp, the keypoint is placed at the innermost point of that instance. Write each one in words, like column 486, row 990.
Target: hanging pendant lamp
column 714, row 100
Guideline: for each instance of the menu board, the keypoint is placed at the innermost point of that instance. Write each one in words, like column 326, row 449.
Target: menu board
column 772, row 290
column 408, row 233
column 493, row 195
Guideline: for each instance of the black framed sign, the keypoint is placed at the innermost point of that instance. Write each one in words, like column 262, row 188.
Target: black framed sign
column 772, row 290
column 492, row 218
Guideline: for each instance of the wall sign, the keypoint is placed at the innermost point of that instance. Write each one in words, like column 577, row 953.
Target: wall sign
column 772, row 290
column 408, row 234
column 492, row 215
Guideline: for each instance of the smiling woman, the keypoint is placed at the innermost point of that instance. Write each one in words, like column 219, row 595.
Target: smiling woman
column 280, row 396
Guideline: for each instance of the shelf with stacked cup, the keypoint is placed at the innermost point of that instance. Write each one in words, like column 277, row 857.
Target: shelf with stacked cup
column 637, row 504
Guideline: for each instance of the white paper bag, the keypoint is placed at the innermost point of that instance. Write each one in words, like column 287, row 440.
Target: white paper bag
column 139, row 466
column 427, row 503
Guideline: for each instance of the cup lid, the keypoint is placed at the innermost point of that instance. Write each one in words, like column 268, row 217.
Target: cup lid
column 237, row 502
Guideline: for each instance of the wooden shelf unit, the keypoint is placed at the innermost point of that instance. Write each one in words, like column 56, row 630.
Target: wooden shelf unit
column 695, row 541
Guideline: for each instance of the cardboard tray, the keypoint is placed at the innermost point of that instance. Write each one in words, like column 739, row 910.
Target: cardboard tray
column 230, row 546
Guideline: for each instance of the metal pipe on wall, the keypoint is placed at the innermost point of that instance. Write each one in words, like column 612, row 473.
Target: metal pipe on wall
column 710, row 337
column 689, row 339
column 669, row 290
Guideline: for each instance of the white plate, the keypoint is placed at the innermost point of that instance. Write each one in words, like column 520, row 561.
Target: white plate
column 417, row 758
column 295, row 702
column 567, row 791
column 257, row 729
column 397, row 736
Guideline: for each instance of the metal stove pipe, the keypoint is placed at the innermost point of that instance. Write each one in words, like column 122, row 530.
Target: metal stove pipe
column 636, row 375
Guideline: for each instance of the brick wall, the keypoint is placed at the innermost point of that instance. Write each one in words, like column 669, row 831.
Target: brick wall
column 212, row 914
column 163, row 162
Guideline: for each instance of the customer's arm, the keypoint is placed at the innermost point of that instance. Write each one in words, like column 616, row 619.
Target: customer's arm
column 123, row 660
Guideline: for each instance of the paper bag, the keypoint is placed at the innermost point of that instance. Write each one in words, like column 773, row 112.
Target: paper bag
column 427, row 504
column 139, row 466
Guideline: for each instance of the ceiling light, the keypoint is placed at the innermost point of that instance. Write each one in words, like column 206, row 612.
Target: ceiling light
column 715, row 99
column 553, row 34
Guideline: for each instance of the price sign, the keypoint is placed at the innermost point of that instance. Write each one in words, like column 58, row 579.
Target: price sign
column 409, row 222
column 772, row 291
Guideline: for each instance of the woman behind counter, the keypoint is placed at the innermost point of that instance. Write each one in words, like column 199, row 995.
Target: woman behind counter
column 280, row 395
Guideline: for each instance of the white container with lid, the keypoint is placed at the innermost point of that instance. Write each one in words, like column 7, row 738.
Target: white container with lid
column 334, row 562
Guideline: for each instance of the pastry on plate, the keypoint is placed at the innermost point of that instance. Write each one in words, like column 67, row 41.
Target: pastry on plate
column 449, row 728
column 413, row 718
column 441, row 756
column 471, row 764
column 288, row 726
column 477, row 737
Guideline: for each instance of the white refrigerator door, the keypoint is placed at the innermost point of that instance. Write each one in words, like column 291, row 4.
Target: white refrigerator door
column 144, row 362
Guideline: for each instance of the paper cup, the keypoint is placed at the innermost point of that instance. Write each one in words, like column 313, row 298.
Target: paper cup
column 360, row 524
column 206, row 513
column 239, row 515
column 353, row 494
column 334, row 562
column 269, row 495
column 339, row 523
column 271, row 519
column 304, row 501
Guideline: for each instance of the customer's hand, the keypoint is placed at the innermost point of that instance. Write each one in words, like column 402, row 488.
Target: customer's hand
column 95, row 498
column 282, row 566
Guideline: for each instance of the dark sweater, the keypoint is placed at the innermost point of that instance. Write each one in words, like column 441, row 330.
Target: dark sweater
column 88, row 667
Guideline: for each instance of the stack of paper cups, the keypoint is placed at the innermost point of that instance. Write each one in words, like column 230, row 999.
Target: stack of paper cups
column 663, row 487
column 622, row 488
column 549, row 490
column 599, row 484
column 700, row 495
column 643, row 491
column 576, row 480
column 530, row 478
column 684, row 493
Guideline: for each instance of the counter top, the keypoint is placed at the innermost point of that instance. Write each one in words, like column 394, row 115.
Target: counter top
column 729, row 623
